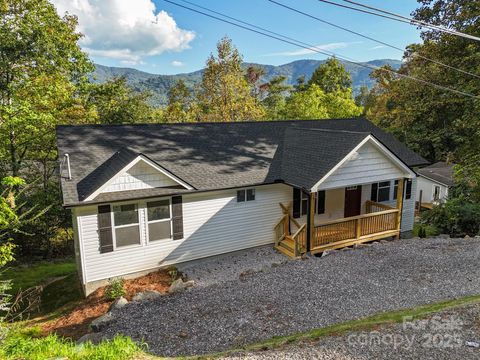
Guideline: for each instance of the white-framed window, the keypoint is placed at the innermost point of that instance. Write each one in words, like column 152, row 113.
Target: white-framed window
column 304, row 204
column 436, row 192
column 125, row 225
column 380, row 191
column 159, row 220
column 245, row 195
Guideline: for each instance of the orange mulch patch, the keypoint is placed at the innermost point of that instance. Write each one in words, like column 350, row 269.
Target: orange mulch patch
column 76, row 323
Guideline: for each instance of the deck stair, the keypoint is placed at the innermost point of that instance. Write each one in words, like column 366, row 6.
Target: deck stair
column 292, row 245
column 286, row 246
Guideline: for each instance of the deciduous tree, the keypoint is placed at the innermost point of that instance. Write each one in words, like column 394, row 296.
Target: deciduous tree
column 224, row 93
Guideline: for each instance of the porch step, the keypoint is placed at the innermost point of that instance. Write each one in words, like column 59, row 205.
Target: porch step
column 286, row 246
column 288, row 243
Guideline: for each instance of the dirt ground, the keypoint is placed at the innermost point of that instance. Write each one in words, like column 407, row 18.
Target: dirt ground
column 75, row 323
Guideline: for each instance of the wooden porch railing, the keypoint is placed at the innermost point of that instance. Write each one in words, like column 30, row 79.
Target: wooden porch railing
column 300, row 239
column 372, row 206
column 360, row 228
column 281, row 229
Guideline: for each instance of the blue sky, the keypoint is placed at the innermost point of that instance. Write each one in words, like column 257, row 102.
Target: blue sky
column 158, row 37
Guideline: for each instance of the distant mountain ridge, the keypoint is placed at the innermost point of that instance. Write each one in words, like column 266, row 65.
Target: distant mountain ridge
column 158, row 85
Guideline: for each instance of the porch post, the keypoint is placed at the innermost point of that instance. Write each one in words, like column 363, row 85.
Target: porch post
column 399, row 204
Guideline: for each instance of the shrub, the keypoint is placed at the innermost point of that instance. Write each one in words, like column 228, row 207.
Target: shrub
column 457, row 217
column 173, row 272
column 115, row 289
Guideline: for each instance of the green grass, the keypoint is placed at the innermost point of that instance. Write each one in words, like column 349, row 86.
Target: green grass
column 26, row 276
column 26, row 344
column 56, row 293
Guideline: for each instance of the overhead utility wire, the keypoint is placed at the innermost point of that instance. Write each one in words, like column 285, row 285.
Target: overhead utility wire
column 315, row 49
column 415, row 21
column 371, row 39
column 433, row 27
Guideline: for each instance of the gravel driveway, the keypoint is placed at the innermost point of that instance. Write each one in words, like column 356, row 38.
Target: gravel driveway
column 452, row 334
column 299, row 295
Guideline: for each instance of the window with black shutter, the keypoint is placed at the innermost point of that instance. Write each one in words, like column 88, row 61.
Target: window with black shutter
column 380, row 191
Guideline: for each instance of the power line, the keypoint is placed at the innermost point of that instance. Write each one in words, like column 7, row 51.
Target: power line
column 316, row 49
column 402, row 20
column 371, row 38
column 415, row 21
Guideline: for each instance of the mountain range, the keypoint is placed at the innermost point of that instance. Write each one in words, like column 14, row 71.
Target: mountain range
column 158, row 85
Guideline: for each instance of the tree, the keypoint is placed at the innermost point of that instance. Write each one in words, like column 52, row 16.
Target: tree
column 363, row 98
column 314, row 103
column 115, row 102
column 40, row 66
column 432, row 121
column 42, row 73
column 331, row 77
column 224, row 93
column 274, row 101
column 253, row 76
column 181, row 106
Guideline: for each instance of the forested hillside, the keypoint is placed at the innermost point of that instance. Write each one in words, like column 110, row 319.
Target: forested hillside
column 159, row 85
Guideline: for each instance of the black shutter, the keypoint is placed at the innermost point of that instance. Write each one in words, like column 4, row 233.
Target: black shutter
column 408, row 190
column 374, row 193
column 177, row 217
column 296, row 202
column 321, row 202
column 105, row 228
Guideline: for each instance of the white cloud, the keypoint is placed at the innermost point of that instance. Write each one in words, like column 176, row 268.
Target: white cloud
column 377, row 47
column 326, row 47
column 124, row 29
column 177, row 63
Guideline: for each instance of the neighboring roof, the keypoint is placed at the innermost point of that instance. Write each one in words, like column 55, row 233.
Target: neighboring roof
column 217, row 155
column 440, row 172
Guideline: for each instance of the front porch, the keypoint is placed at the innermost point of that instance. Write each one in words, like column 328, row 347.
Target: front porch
column 310, row 232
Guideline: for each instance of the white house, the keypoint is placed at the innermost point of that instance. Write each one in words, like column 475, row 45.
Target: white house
column 433, row 183
column 148, row 196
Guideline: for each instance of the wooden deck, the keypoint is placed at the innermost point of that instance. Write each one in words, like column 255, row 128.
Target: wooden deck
column 357, row 229
column 379, row 221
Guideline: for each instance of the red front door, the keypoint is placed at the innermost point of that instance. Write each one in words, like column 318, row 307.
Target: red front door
column 353, row 201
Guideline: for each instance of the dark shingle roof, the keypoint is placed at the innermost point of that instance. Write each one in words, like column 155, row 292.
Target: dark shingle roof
column 217, row 155
column 317, row 151
column 105, row 172
column 440, row 172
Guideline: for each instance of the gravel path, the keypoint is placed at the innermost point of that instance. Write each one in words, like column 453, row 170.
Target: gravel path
column 227, row 267
column 443, row 335
column 300, row 295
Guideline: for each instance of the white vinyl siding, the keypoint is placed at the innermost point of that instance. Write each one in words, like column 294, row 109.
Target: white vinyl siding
column 214, row 223
column 427, row 188
column 140, row 176
column 369, row 165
